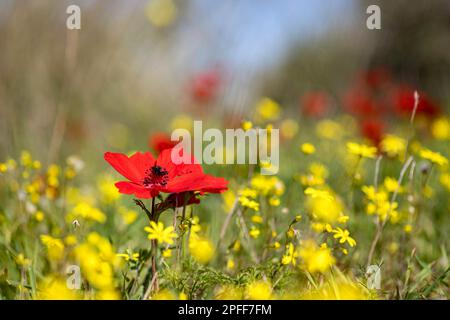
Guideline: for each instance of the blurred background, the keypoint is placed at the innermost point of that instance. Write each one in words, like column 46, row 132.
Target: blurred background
column 137, row 67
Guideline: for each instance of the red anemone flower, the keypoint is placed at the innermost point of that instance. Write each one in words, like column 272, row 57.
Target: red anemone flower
column 160, row 140
column 147, row 176
column 315, row 104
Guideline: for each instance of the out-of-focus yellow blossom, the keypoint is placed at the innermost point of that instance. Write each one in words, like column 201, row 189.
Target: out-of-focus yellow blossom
column 361, row 150
column 247, row 125
column 276, row 245
column 52, row 175
column 254, row 232
column 329, row 129
column 338, row 290
column 85, row 211
column 55, row 247
column 274, row 201
column 259, row 290
column 161, row 13
column 164, row 294
column 314, row 258
column 182, row 121
column 316, row 175
column 22, row 261
column 393, row 247
column 393, row 145
column 267, row 185
column 391, row 185
column 344, row 236
column 97, row 260
column 54, row 288
column 236, row 246
column 201, row 249
column 290, row 257
column 323, row 206
column 108, row 190
column 129, row 256
column 128, row 215
column 228, row 200
column 440, row 129
column 39, row 216
column 248, row 203
column 379, row 203
column 230, row 264
column 167, row 253
column 107, row 294
column 229, row 292
column 25, row 159
column 267, row 109
column 257, row 219
column 433, row 157
column 343, row 219
column 408, row 228
column 3, row 167
column 290, row 233
column 308, row 148
column 445, row 180
column 289, row 128
column 156, row 231
column 70, row 240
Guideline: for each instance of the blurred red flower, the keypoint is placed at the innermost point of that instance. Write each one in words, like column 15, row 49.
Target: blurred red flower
column 315, row 104
column 160, row 141
column 403, row 102
column 360, row 102
column 148, row 177
column 204, row 86
column 372, row 129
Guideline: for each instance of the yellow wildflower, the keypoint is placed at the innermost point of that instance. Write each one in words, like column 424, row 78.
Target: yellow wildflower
column 434, row 157
column 156, row 231
column 259, row 290
column 361, row 150
column 344, row 236
column 267, row 109
column 308, row 148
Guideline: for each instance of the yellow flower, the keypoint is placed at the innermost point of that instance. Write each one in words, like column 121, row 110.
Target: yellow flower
column 39, row 216
column 274, row 201
column 229, row 292
column 167, row 253
column 247, row 125
column 315, row 259
column 323, row 206
column 129, row 256
column 254, row 232
column 329, row 129
column 128, row 216
column 267, row 185
column 156, row 231
column 316, row 193
column 290, row 257
column 259, row 290
column 440, row 129
column 393, row 145
column 3, row 167
column 434, row 157
column 108, row 190
column 55, row 247
column 408, row 228
column 361, row 150
column 228, row 200
column 391, row 185
column 201, row 249
column 267, row 109
column 289, row 128
column 257, row 219
column 161, row 13
column 308, row 148
column 53, row 288
column 248, row 203
column 107, row 294
column 70, row 240
column 22, row 261
column 85, row 211
column 230, row 264
column 344, row 236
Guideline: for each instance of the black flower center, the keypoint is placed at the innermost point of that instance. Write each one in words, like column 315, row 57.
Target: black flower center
column 155, row 176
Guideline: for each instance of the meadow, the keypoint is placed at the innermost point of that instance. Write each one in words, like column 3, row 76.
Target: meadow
column 92, row 207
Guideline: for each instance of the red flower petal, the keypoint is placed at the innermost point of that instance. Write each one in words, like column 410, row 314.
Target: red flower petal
column 132, row 168
column 126, row 187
